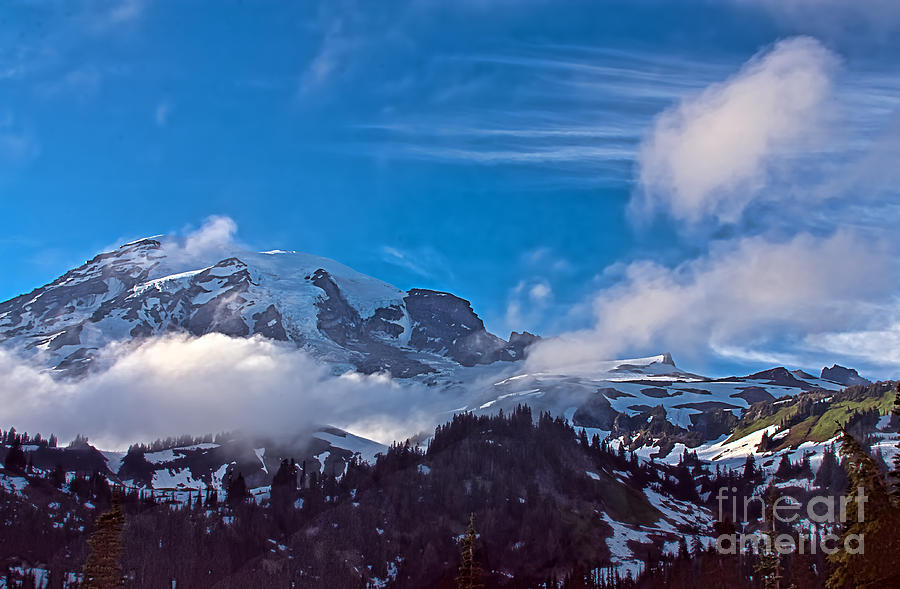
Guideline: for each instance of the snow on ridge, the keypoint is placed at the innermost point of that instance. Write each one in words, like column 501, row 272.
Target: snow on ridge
column 170, row 454
column 158, row 282
column 136, row 241
column 286, row 274
column 740, row 448
column 367, row 449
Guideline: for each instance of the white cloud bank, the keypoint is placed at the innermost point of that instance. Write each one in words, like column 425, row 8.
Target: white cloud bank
column 713, row 153
column 746, row 293
column 180, row 384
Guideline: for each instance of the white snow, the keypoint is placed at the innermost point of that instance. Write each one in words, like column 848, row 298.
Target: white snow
column 13, row 484
column 367, row 449
column 740, row 448
column 114, row 460
column 260, row 454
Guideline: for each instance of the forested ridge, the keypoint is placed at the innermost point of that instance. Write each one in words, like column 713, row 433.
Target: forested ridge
column 523, row 499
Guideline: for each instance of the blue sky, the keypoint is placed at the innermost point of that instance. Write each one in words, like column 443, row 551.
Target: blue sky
column 510, row 152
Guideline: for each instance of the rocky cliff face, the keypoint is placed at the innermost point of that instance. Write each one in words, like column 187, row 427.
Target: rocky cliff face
column 446, row 324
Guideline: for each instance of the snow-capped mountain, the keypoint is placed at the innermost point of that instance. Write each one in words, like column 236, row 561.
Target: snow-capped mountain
column 160, row 285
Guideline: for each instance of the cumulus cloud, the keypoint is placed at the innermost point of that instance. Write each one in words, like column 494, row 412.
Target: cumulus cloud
column 540, row 292
column 216, row 233
column 180, row 384
column 745, row 293
column 713, row 153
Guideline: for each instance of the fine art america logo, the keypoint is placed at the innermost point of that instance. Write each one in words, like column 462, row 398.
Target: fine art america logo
column 822, row 514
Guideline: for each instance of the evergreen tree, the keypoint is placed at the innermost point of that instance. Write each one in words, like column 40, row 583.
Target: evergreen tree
column 135, row 466
column 284, row 488
column 750, row 468
column 876, row 565
column 15, row 460
column 582, row 437
column 237, row 492
column 58, row 476
column 102, row 569
column 469, row 576
column 769, row 564
column 785, row 468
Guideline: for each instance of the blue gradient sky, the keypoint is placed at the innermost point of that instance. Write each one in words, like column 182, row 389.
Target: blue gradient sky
column 486, row 148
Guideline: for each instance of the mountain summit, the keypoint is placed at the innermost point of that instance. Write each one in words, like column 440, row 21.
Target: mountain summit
column 163, row 285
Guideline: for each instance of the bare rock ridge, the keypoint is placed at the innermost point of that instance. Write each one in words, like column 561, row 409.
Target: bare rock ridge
column 845, row 376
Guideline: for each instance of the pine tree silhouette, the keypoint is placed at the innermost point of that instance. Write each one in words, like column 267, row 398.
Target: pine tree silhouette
column 102, row 569
column 469, row 576
column 237, row 491
column 15, row 458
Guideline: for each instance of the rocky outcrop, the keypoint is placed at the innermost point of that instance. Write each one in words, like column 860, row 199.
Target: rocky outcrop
column 446, row 324
column 269, row 324
column 780, row 376
column 754, row 395
column 845, row 376
column 596, row 412
column 520, row 342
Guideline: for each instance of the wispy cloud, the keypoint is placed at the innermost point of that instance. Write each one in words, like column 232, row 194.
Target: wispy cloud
column 544, row 106
column 331, row 57
column 111, row 15
column 162, row 112
column 425, row 262
column 80, row 83
column 18, row 144
column 527, row 303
